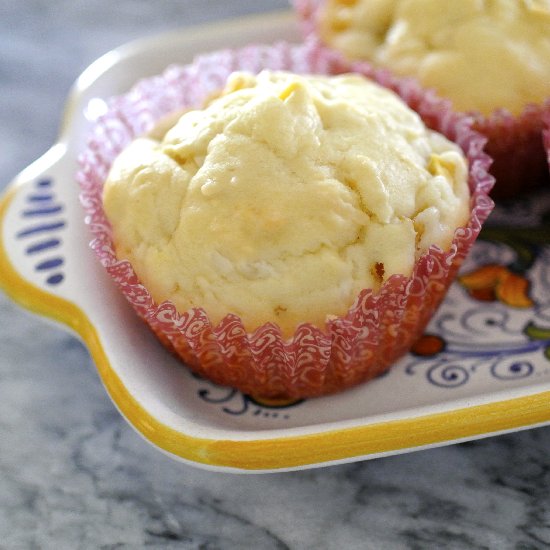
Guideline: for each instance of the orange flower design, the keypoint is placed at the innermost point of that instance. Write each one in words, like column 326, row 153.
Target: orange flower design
column 428, row 345
column 496, row 282
column 274, row 402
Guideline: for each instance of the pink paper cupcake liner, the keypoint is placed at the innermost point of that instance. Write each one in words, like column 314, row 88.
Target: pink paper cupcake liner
column 546, row 133
column 377, row 329
column 514, row 141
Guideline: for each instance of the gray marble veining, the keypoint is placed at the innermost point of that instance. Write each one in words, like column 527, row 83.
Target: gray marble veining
column 74, row 475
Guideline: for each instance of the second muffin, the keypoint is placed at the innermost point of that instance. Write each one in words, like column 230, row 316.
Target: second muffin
column 491, row 59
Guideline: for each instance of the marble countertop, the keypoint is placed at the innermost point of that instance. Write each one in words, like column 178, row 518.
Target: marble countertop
column 74, row 475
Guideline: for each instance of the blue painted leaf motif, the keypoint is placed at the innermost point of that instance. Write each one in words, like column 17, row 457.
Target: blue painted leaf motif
column 42, row 206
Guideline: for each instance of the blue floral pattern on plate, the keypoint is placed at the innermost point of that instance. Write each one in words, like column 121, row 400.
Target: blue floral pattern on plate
column 497, row 316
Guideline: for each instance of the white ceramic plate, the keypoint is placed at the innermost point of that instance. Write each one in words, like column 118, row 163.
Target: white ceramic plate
column 485, row 369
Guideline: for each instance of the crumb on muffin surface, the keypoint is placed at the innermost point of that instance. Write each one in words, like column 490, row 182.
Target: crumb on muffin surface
column 283, row 198
column 482, row 54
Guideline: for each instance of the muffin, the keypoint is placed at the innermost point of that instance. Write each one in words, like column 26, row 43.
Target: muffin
column 284, row 198
column 293, row 236
column 491, row 59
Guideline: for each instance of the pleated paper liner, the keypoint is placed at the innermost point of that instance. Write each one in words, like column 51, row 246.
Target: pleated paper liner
column 546, row 133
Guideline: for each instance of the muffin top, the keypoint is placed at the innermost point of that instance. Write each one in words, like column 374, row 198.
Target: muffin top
column 482, row 54
column 285, row 197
